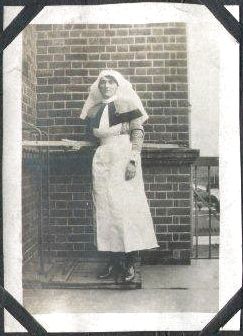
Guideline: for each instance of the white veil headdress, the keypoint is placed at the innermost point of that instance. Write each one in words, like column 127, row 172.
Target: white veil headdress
column 125, row 99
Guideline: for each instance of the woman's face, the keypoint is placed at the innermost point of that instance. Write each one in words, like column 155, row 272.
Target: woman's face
column 107, row 86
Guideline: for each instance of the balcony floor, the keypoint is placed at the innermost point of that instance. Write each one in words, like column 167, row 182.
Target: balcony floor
column 165, row 288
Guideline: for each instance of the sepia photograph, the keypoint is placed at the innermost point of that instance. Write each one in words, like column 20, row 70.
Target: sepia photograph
column 119, row 177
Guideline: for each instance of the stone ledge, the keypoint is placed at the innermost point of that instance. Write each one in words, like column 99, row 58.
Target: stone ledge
column 155, row 154
column 169, row 156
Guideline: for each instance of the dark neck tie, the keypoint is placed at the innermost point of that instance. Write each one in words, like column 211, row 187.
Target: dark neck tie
column 98, row 115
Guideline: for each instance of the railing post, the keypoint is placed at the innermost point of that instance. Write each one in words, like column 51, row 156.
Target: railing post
column 209, row 215
column 41, row 270
column 196, row 213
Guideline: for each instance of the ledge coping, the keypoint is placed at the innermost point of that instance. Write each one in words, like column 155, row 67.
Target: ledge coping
column 152, row 153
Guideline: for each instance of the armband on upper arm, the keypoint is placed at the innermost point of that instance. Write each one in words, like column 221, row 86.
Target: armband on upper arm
column 136, row 137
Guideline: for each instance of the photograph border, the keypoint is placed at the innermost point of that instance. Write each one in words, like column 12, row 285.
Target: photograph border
column 26, row 15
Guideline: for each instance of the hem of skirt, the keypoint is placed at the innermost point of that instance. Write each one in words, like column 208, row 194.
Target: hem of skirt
column 129, row 249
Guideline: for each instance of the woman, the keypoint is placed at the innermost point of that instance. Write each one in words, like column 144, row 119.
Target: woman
column 122, row 216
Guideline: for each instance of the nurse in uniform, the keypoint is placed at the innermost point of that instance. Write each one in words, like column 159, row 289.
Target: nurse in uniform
column 122, row 216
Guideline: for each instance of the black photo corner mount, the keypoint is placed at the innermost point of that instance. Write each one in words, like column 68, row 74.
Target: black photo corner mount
column 30, row 10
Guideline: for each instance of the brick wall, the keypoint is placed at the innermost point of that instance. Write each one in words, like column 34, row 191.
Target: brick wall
column 70, row 229
column 70, row 233
column 29, row 80
column 30, row 185
column 152, row 57
column 168, row 191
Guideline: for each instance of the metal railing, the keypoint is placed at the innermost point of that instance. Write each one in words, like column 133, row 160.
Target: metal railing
column 206, row 208
column 43, row 163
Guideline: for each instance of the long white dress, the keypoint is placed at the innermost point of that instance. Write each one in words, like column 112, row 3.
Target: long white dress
column 121, row 212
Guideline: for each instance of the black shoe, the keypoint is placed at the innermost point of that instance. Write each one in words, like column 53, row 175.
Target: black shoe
column 107, row 273
column 129, row 274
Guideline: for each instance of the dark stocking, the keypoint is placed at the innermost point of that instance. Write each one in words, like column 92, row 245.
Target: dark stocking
column 131, row 258
column 116, row 258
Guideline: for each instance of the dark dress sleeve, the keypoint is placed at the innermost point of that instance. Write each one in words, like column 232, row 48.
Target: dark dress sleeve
column 89, row 133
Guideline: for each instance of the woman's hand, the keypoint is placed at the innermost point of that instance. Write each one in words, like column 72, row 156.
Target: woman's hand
column 82, row 144
column 77, row 146
column 130, row 171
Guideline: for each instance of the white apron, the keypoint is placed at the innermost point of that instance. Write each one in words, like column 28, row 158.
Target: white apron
column 121, row 212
